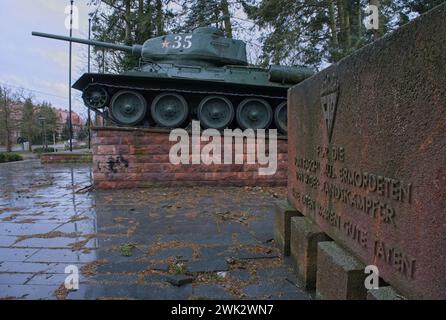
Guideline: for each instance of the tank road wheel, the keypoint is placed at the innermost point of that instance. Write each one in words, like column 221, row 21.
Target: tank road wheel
column 128, row 107
column 169, row 110
column 95, row 97
column 215, row 112
column 281, row 117
column 254, row 114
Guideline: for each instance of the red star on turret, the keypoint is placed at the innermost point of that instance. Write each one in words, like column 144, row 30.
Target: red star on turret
column 165, row 44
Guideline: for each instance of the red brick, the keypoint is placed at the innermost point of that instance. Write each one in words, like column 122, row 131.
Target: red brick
column 147, row 154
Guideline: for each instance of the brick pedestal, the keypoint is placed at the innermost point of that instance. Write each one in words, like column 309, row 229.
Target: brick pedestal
column 131, row 158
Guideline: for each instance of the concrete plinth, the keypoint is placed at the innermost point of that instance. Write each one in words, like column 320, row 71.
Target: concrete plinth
column 305, row 236
column 384, row 293
column 340, row 276
column 282, row 220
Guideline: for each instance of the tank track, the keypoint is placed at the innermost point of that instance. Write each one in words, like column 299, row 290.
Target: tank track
column 193, row 99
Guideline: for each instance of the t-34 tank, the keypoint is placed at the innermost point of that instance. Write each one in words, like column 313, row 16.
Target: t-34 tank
column 200, row 75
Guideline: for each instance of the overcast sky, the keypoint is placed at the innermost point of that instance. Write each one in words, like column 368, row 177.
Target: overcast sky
column 41, row 64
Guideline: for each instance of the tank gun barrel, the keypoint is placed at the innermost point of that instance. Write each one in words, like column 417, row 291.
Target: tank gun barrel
column 135, row 49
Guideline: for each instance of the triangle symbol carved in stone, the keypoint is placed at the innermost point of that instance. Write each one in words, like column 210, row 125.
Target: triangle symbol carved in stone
column 329, row 103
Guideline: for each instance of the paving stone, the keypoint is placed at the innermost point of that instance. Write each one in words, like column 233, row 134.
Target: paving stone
column 211, row 291
column 275, row 290
column 11, row 229
column 232, row 227
column 155, row 292
column 83, row 226
column 215, row 252
column 33, row 292
column 159, row 266
column 93, row 292
column 62, row 255
column 123, row 267
column 113, row 278
column 6, row 241
column 200, row 239
column 280, row 272
column 119, row 217
column 179, row 280
column 116, row 255
column 47, row 243
column 14, row 254
column 25, row 267
column 242, row 275
column 247, row 255
column 47, row 279
column 60, row 267
column 184, row 253
column 246, row 239
column 15, row 278
column 213, row 265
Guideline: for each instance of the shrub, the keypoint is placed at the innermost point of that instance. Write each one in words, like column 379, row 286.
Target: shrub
column 9, row 157
column 44, row 150
column 76, row 147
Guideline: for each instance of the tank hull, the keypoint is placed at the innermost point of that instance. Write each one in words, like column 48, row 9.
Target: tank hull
column 234, row 91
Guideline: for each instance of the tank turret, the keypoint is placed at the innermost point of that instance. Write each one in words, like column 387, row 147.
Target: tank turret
column 201, row 74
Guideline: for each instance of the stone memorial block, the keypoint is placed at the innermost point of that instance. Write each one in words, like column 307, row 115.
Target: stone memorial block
column 340, row 276
column 367, row 155
column 304, row 239
column 283, row 212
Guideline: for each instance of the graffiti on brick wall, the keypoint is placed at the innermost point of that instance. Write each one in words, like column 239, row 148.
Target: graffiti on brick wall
column 114, row 164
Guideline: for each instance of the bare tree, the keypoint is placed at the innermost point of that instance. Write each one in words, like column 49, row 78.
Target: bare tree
column 6, row 121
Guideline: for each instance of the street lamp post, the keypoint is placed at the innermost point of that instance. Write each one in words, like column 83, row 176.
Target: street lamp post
column 89, row 69
column 69, row 76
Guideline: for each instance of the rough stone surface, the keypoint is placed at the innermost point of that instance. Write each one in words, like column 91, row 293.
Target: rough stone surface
column 129, row 158
column 282, row 218
column 179, row 280
column 367, row 150
column 340, row 276
column 384, row 293
column 305, row 236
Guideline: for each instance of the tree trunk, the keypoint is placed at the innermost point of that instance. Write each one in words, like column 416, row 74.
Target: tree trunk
column 30, row 144
column 348, row 33
column 226, row 18
column 140, row 24
column 148, row 20
column 159, row 18
column 333, row 26
column 376, row 33
column 341, row 22
column 5, row 121
column 128, row 17
column 359, row 21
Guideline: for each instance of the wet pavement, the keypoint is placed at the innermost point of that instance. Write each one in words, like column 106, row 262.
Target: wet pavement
column 157, row 243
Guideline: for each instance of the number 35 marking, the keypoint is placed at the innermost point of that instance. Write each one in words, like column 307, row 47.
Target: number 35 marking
column 185, row 43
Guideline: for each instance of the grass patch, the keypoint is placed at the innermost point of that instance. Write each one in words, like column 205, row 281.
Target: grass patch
column 127, row 249
column 10, row 157
column 177, row 268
